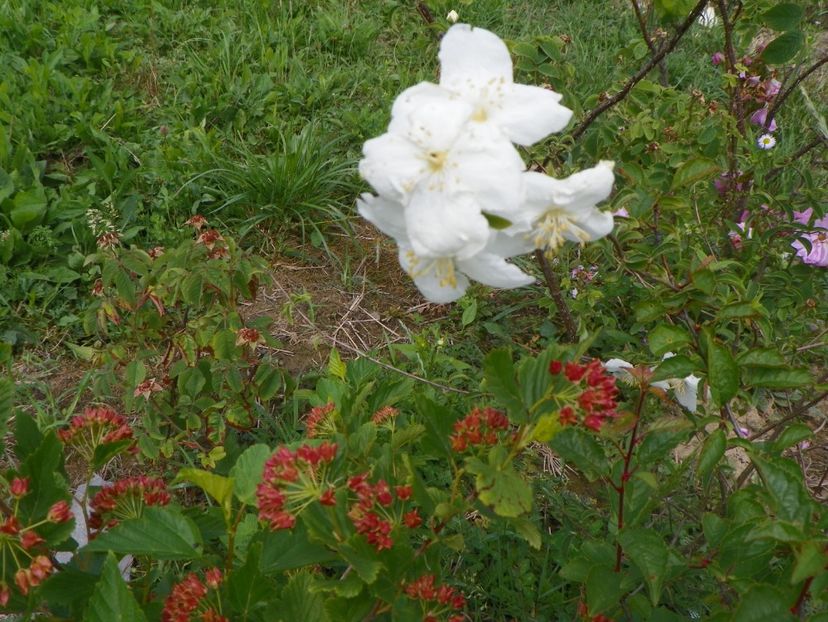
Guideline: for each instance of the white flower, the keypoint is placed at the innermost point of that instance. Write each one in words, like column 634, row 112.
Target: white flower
column 444, row 278
column 684, row 390
column 452, row 16
column 708, row 17
column 766, row 141
column 557, row 210
column 445, row 171
column 475, row 64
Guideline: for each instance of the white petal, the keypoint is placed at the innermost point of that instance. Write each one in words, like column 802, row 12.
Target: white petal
column 494, row 271
column 392, row 165
column 386, row 215
column 443, row 224
column 429, row 116
column 594, row 223
column 686, row 392
column 505, row 245
column 471, row 56
column 583, row 189
column 437, row 280
column 484, row 160
column 614, row 366
column 661, row 384
column 528, row 114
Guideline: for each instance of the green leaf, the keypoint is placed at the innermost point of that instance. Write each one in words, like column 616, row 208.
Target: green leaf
column 162, row 533
column 362, row 557
column 603, row 589
column 778, row 378
column 722, row 373
column 112, row 601
column 791, row 436
column 246, row 588
column 762, row 357
column 811, row 560
column 499, row 485
column 247, row 472
column 581, row 449
column 499, row 379
column 661, row 436
column 107, row 451
column 29, row 207
column 469, row 313
column 692, row 171
column 784, row 16
column 497, row 222
column 336, row 367
column 712, row 452
column 783, row 48
column 218, row 487
column 301, row 601
column 679, row 366
column 287, row 550
column 786, row 488
column 666, row 338
column 763, row 603
column 528, row 530
column 740, row 310
column 224, row 344
column 6, row 404
column 269, row 380
column 646, row 549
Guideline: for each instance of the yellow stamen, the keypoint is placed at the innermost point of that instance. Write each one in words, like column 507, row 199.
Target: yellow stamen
column 436, row 160
column 550, row 229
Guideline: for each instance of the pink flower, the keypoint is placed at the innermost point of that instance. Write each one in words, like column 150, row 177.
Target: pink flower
column 760, row 117
column 771, row 88
column 717, row 58
column 818, row 253
column 803, row 218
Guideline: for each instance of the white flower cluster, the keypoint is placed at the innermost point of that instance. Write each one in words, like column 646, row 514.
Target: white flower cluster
column 452, row 188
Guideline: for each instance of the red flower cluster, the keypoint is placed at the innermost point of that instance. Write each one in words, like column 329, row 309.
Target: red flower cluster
column 596, row 400
column 317, row 421
column 479, row 427
column 373, row 514
column 96, row 426
column 214, row 242
column 190, row 597
column 248, row 337
column 444, row 598
column 292, row 480
column 126, row 499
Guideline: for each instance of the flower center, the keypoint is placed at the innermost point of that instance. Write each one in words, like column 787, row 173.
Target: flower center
column 480, row 115
column 443, row 269
column 436, row 160
column 550, row 230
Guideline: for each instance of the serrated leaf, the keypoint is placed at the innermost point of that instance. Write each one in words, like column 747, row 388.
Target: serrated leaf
column 763, row 603
column 811, row 560
column 500, row 380
column 499, row 485
column 528, row 530
column 722, row 373
column 336, row 366
column 762, row 357
column 778, row 378
column 792, row 435
column 666, row 338
column 223, row 344
column 247, row 472
column 220, row 488
column 287, row 550
column 112, row 600
column 712, row 452
column 581, row 449
column 784, row 16
column 692, row 171
column 783, row 48
column 647, row 550
column 301, row 601
column 162, row 533
column 362, row 557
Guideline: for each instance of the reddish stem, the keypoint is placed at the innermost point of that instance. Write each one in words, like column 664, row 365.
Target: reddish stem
column 802, row 595
column 625, row 476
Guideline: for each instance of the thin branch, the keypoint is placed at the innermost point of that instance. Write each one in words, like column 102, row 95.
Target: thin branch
column 554, row 286
column 642, row 26
column 663, row 51
column 780, row 99
column 796, row 156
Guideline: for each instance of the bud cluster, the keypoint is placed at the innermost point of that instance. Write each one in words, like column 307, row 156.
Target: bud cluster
column 319, row 422
column 126, row 499
column 18, row 541
column 478, row 428
column 595, row 391
column 375, row 514
column 292, row 480
column 95, row 427
column 190, row 599
column 437, row 600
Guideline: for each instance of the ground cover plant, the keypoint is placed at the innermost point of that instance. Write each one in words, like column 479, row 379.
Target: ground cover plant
column 391, row 310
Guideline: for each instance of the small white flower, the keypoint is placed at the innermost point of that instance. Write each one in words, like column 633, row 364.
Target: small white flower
column 557, row 210
column 452, row 16
column 476, row 66
column 708, row 17
column 766, row 141
column 574, row 292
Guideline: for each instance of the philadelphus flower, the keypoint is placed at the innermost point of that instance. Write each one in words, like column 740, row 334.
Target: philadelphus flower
column 685, row 390
column 447, row 173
